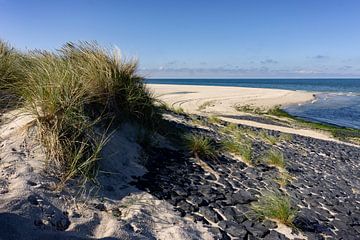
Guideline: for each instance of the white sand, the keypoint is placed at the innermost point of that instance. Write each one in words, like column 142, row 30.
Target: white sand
column 222, row 100
column 29, row 209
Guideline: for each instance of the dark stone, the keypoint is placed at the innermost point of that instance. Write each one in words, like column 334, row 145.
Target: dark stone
column 33, row 200
column 234, row 229
column 198, row 201
column 210, row 214
column 31, row 183
column 306, row 221
column 187, row 206
column 274, row 235
column 100, row 207
column 240, row 197
column 198, row 218
column 258, row 230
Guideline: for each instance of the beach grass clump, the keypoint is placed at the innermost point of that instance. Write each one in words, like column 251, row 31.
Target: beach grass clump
column 284, row 178
column 214, row 119
column 250, row 109
column 275, row 206
column 242, row 149
column 200, row 146
column 10, row 73
column 204, row 105
column 278, row 112
column 171, row 108
column 275, row 158
column 230, row 128
column 286, row 137
column 265, row 136
column 74, row 95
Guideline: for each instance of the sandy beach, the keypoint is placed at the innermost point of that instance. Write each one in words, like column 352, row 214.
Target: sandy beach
column 223, row 100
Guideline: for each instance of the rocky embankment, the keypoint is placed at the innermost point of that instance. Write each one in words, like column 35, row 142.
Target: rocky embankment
column 325, row 187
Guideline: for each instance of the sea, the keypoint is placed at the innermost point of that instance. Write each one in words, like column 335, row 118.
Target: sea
column 337, row 101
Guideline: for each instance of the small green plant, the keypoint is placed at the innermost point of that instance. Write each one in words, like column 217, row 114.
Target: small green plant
column 178, row 110
column 265, row 136
column 214, row 119
column 275, row 158
column 275, row 206
column 200, row 146
column 205, row 105
column 167, row 107
column 229, row 128
column 278, row 112
column 286, row 137
column 284, row 178
column 243, row 149
column 250, row 109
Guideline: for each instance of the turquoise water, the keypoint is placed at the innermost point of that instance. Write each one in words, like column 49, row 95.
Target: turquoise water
column 337, row 100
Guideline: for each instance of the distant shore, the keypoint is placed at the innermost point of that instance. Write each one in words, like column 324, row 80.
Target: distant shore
column 224, row 100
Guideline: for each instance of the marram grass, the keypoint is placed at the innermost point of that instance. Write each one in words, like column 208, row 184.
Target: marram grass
column 74, row 94
column 275, row 206
column 200, row 146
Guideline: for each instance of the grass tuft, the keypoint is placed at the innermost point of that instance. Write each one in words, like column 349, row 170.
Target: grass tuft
column 275, row 158
column 214, row 119
column 275, row 206
column 242, row 149
column 265, row 136
column 200, row 146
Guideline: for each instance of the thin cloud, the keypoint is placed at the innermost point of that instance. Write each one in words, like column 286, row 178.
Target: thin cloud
column 269, row 61
column 320, row 57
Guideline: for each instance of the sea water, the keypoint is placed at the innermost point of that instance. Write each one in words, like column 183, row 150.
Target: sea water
column 337, row 100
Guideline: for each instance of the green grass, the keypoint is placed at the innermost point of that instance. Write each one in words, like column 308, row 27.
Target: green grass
column 74, row 95
column 250, row 109
column 230, row 128
column 10, row 72
column 205, row 105
column 284, row 178
column 167, row 107
column 286, row 137
column 200, row 146
column 242, row 149
column 214, row 119
column 275, row 206
column 275, row 158
column 265, row 136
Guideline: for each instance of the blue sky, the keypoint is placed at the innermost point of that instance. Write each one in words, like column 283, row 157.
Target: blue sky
column 202, row 38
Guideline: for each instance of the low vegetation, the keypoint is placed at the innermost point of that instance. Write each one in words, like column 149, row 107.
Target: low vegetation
column 275, row 206
column 284, row 178
column 266, row 137
column 205, row 105
column 171, row 108
column 74, row 95
column 242, row 149
column 275, row 158
column 214, row 119
column 200, row 146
